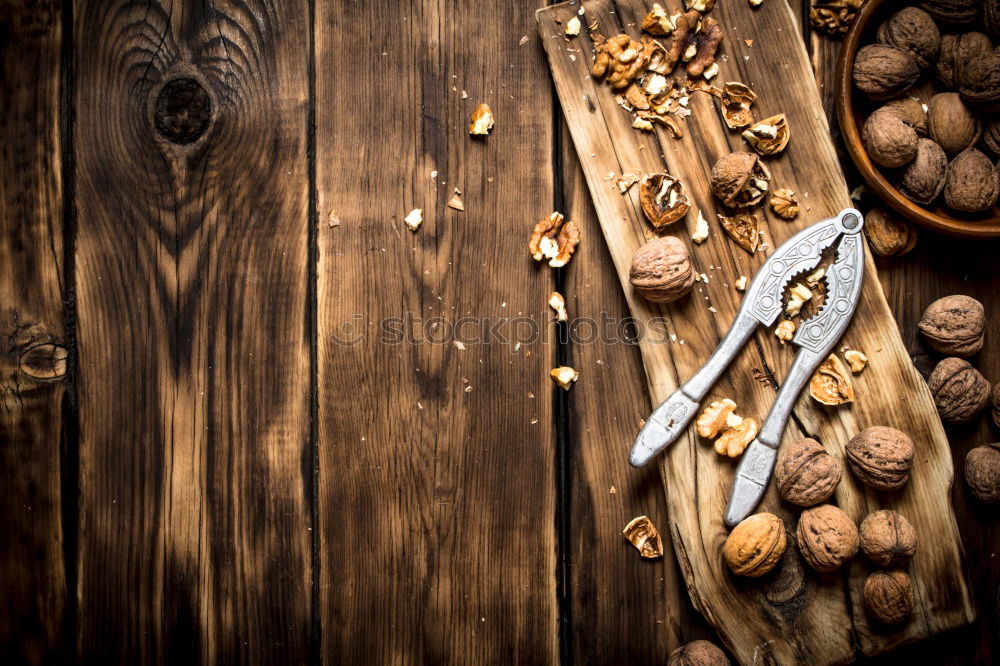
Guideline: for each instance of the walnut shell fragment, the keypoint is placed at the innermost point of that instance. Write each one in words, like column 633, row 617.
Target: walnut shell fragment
column 740, row 180
column 553, row 240
column 769, row 136
column 785, row 204
column 642, row 534
column 805, row 474
column 960, row 391
column 831, row 383
column 656, row 22
column 888, row 538
column 744, row 228
column 661, row 270
column 755, row 545
column 663, row 199
column 954, row 325
column 881, row 457
column 698, row 653
column 888, row 596
column 737, row 99
column 982, row 473
column 827, row 537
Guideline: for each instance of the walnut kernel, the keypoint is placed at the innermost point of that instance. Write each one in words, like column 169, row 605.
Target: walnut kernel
column 785, row 204
column 482, row 121
column 736, row 436
column 856, row 359
column 656, row 22
column 554, row 240
column 564, row 376
column 785, row 330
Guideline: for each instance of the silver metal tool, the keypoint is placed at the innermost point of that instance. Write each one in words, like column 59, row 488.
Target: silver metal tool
column 815, row 338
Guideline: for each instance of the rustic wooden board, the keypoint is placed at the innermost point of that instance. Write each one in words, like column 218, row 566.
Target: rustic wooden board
column 437, row 485
column 33, row 359
column 191, row 266
column 795, row 615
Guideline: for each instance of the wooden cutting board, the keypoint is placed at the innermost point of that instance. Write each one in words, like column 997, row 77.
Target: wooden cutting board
column 793, row 615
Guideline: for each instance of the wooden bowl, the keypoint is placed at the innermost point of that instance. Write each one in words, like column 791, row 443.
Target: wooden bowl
column 853, row 108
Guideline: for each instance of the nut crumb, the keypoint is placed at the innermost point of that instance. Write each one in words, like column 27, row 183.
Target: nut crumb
column 459, row 345
column 414, row 219
column 856, row 359
column 558, row 303
column 785, row 331
column 642, row 534
column 741, row 283
column 700, row 233
column 800, row 295
column 523, row 40
column 564, row 376
column 456, row 203
column 482, row 120
column 334, row 220
column 572, row 28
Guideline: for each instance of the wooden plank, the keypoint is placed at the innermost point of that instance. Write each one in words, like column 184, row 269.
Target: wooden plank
column 33, row 359
column 639, row 605
column 437, row 500
column 192, row 200
column 798, row 616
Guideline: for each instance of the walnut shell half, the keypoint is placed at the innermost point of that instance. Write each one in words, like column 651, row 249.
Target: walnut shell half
column 756, row 545
column 954, row 325
column 661, row 270
column 827, row 537
column 982, row 473
column 740, row 179
column 960, row 391
column 881, row 457
column 831, row 383
column 882, row 72
column 805, row 473
column 663, row 199
column 888, row 538
column 769, row 136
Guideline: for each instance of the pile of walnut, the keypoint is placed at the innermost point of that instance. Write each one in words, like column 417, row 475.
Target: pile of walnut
column 939, row 150
column 955, row 326
column 806, row 475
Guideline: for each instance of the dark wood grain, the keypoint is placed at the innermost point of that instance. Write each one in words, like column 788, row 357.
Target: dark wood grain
column 33, row 353
column 191, row 263
column 437, row 464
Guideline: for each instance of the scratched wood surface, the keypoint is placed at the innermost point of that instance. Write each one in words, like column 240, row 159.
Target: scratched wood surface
column 169, row 311
column 794, row 615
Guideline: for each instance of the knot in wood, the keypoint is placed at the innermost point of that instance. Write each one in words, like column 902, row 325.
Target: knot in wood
column 182, row 111
column 46, row 361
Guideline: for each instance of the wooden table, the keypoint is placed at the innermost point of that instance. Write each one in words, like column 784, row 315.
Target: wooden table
column 234, row 424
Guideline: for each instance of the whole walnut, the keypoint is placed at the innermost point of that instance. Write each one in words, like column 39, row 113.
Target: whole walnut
column 755, row 545
column 697, row 653
column 995, row 405
column 954, row 325
column 740, row 179
column 982, row 473
column 888, row 538
column 661, row 270
column 956, row 52
column 991, row 17
column 991, row 136
column 959, row 391
column 882, row 72
column 972, row 183
column 888, row 234
column 952, row 11
column 888, row 141
column 910, row 111
column 881, row 457
column 923, row 178
column 888, row 596
column 827, row 537
column 979, row 82
column 951, row 123
column 914, row 31
column 805, row 473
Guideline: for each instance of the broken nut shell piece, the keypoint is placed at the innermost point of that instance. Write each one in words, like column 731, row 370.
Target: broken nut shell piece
column 831, row 383
column 663, row 199
column 482, row 121
column 564, row 376
column 737, row 98
column 744, row 228
column 642, row 534
column 769, row 136
column 656, row 22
